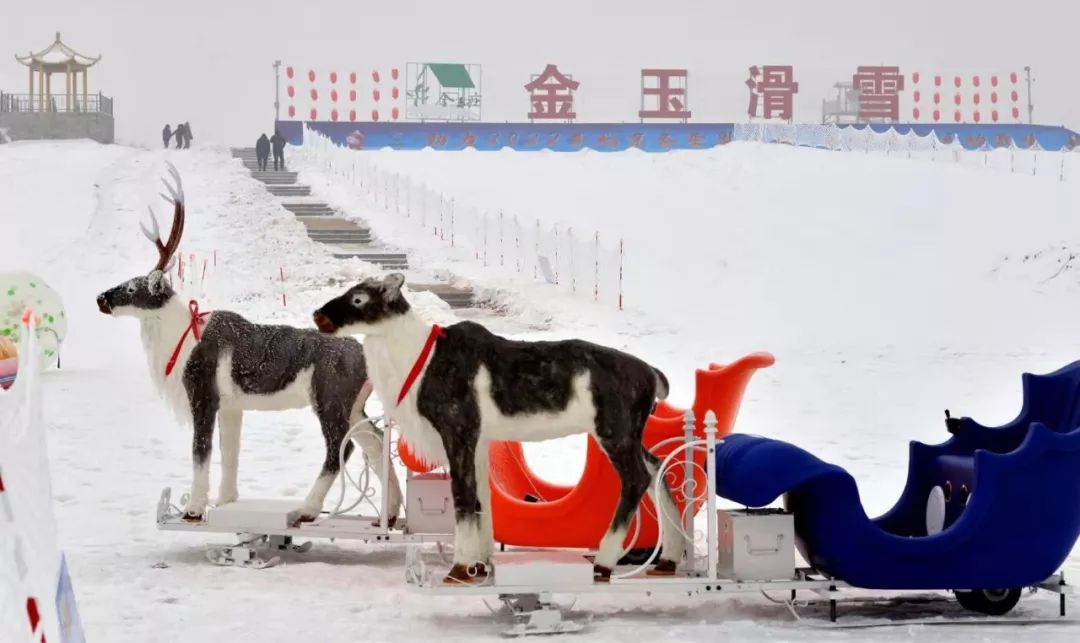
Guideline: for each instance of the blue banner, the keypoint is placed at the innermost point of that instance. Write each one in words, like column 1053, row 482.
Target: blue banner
column 648, row 137
column 974, row 136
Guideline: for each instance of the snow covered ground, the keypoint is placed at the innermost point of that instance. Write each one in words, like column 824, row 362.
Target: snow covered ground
column 888, row 289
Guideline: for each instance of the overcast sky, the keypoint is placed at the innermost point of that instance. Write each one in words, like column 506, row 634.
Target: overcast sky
column 209, row 61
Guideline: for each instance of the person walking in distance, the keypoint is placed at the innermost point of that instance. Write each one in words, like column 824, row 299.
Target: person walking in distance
column 187, row 135
column 166, row 135
column 278, row 143
column 178, row 133
column 262, row 152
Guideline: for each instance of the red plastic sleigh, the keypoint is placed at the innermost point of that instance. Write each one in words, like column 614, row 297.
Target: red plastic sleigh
column 530, row 511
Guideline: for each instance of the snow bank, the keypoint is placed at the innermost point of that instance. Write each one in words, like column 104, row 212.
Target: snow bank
column 888, row 289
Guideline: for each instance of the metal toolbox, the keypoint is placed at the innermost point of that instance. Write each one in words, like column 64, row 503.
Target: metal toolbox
column 429, row 504
column 756, row 544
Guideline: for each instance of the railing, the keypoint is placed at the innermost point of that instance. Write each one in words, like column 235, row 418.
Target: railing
column 577, row 262
column 94, row 103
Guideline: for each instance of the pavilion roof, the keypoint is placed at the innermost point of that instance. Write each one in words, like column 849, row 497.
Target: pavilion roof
column 57, row 54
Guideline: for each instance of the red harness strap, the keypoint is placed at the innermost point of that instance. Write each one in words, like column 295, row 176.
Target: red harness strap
column 198, row 320
column 436, row 333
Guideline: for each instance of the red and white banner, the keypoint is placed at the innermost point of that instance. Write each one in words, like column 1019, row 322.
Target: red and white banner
column 348, row 95
column 993, row 97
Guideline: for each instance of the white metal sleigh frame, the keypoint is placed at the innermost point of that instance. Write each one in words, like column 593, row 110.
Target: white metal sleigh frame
column 533, row 609
column 531, row 605
column 265, row 526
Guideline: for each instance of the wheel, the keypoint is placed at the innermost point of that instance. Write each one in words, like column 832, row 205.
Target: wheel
column 994, row 602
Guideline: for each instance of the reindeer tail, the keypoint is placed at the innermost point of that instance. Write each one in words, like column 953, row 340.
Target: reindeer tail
column 662, row 387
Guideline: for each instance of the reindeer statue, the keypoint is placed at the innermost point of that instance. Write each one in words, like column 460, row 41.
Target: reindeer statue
column 225, row 364
column 453, row 390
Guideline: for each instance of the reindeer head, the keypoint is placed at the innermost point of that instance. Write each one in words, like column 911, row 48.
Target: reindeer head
column 364, row 308
column 145, row 295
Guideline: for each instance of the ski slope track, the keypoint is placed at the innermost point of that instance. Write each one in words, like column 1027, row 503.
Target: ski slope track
column 889, row 289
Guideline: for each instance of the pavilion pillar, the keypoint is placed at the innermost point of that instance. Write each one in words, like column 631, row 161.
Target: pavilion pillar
column 84, row 89
column 31, row 88
column 41, row 88
column 67, row 87
column 48, row 92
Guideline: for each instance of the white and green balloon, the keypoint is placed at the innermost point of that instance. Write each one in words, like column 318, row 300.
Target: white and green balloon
column 22, row 290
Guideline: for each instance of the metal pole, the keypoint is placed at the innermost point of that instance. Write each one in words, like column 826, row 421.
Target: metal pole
column 277, row 90
column 688, row 489
column 1031, row 108
column 710, row 498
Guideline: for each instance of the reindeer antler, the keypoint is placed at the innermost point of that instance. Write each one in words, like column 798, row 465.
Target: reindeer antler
column 176, row 197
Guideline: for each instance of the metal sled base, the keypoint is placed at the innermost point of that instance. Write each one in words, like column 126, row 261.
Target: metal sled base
column 249, row 552
column 533, row 611
column 264, row 527
column 536, row 614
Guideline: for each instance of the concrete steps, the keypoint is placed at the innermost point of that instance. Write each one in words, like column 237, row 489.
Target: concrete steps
column 345, row 239
column 385, row 260
column 330, row 223
column 454, row 296
column 275, row 178
column 289, row 190
column 309, row 209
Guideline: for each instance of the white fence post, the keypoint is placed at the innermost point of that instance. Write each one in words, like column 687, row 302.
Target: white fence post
column 502, row 246
column 596, row 267
column 620, row 274
column 556, row 254
column 573, row 271
column 517, row 244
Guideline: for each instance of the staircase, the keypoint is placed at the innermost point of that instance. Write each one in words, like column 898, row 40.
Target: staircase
column 346, row 239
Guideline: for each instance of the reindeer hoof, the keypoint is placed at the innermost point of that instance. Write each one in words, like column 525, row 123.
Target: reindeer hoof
column 462, row 574
column 190, row 517
column 601, row 574
column 663, row 568
column 390, row 522
column 302, row 519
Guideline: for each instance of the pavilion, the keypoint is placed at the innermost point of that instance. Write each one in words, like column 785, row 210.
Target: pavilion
column 46, row 111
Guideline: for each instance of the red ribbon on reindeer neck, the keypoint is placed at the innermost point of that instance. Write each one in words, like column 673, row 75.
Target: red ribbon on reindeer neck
column 436, row 333
column 197, row 320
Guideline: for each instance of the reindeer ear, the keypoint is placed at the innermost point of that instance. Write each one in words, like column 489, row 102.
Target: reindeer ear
column 392, row 284
column 155, row 282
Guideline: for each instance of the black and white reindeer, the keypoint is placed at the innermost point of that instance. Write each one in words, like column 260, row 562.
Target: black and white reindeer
column 453, row 390
column 225, row 365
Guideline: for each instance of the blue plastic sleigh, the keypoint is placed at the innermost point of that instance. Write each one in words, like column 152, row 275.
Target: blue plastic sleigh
column 987, row 513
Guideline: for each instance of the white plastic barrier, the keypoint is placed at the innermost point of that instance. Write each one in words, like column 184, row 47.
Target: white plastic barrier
column 1062, row 165
column 579, row 262
column 36, row 600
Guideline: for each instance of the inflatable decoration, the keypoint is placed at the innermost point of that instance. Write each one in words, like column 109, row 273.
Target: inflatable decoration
column 9, row 362
column 22, row 290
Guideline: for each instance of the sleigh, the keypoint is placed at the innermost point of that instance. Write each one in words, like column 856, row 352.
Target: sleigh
column 530, row 511
column 987, row 513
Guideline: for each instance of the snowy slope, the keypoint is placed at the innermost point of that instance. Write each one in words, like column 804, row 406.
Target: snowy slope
column 873, row 280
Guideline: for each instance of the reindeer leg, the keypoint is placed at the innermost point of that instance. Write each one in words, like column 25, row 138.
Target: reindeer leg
column 483, row 495
column 625, row 455
column 469, row 559
column 673, row 539
column 229, row 423
column 204, row 400
column 335, row 426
